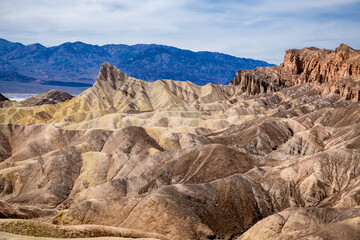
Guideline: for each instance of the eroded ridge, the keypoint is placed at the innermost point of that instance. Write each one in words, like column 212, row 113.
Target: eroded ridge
column 274, row 155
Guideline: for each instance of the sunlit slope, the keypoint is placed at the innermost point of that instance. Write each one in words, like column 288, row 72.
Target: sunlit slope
column 116, row 93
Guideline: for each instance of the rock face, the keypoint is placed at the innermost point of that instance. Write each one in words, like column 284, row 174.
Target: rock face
column 49, row 97
column 179, row 161
column 331, row 71
column 257, row 81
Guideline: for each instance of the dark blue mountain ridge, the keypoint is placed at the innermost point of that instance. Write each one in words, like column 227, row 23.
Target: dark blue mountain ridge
column 78, row 63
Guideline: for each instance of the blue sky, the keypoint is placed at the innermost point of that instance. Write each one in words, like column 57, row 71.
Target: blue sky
column 247, row 28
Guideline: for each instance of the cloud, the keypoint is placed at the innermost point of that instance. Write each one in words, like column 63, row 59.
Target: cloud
column 258, row 29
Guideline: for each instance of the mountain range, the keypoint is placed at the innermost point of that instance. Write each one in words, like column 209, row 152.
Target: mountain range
column 275, row 154
column 73, row 67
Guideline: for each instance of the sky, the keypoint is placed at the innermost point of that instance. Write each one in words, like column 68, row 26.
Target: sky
column 256, row 29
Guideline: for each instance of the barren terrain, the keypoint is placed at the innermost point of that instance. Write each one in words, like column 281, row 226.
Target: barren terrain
column 273, row 155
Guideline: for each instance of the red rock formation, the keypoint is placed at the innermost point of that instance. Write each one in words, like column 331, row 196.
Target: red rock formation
column 259, row 80
column 331, row 71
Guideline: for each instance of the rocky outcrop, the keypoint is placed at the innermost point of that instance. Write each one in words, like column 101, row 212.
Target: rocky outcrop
column 257, row 81
column 330, row 71
column 321, row 65
column 49, row 97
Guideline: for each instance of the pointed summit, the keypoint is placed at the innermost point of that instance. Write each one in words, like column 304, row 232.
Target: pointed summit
column 107, row 68
column 110, row 76
column 343, row 46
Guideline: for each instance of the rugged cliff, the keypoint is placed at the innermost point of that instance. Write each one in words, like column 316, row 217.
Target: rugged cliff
column 328, row 71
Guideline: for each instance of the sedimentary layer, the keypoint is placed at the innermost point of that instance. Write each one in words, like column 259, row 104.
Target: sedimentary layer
column 272, row 156
column 329, row 71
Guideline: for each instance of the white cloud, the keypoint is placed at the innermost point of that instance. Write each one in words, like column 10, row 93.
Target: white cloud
column 259, row 29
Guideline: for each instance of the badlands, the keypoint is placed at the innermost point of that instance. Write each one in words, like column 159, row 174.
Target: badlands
column 273, row 155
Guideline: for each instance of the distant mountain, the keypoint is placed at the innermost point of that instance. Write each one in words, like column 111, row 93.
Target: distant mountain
column 76, row 65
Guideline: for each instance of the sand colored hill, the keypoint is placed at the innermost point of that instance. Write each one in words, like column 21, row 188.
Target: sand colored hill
column 49, row 97
column 120, row 95
column 269, row 157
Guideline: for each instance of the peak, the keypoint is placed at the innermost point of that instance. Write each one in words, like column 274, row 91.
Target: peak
column 73, row 44
column 55, row 91
column 312, row 48
column 301, row 51
column 344, row 46
column 111, row 76
column 108, row 67
column 36, row 46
